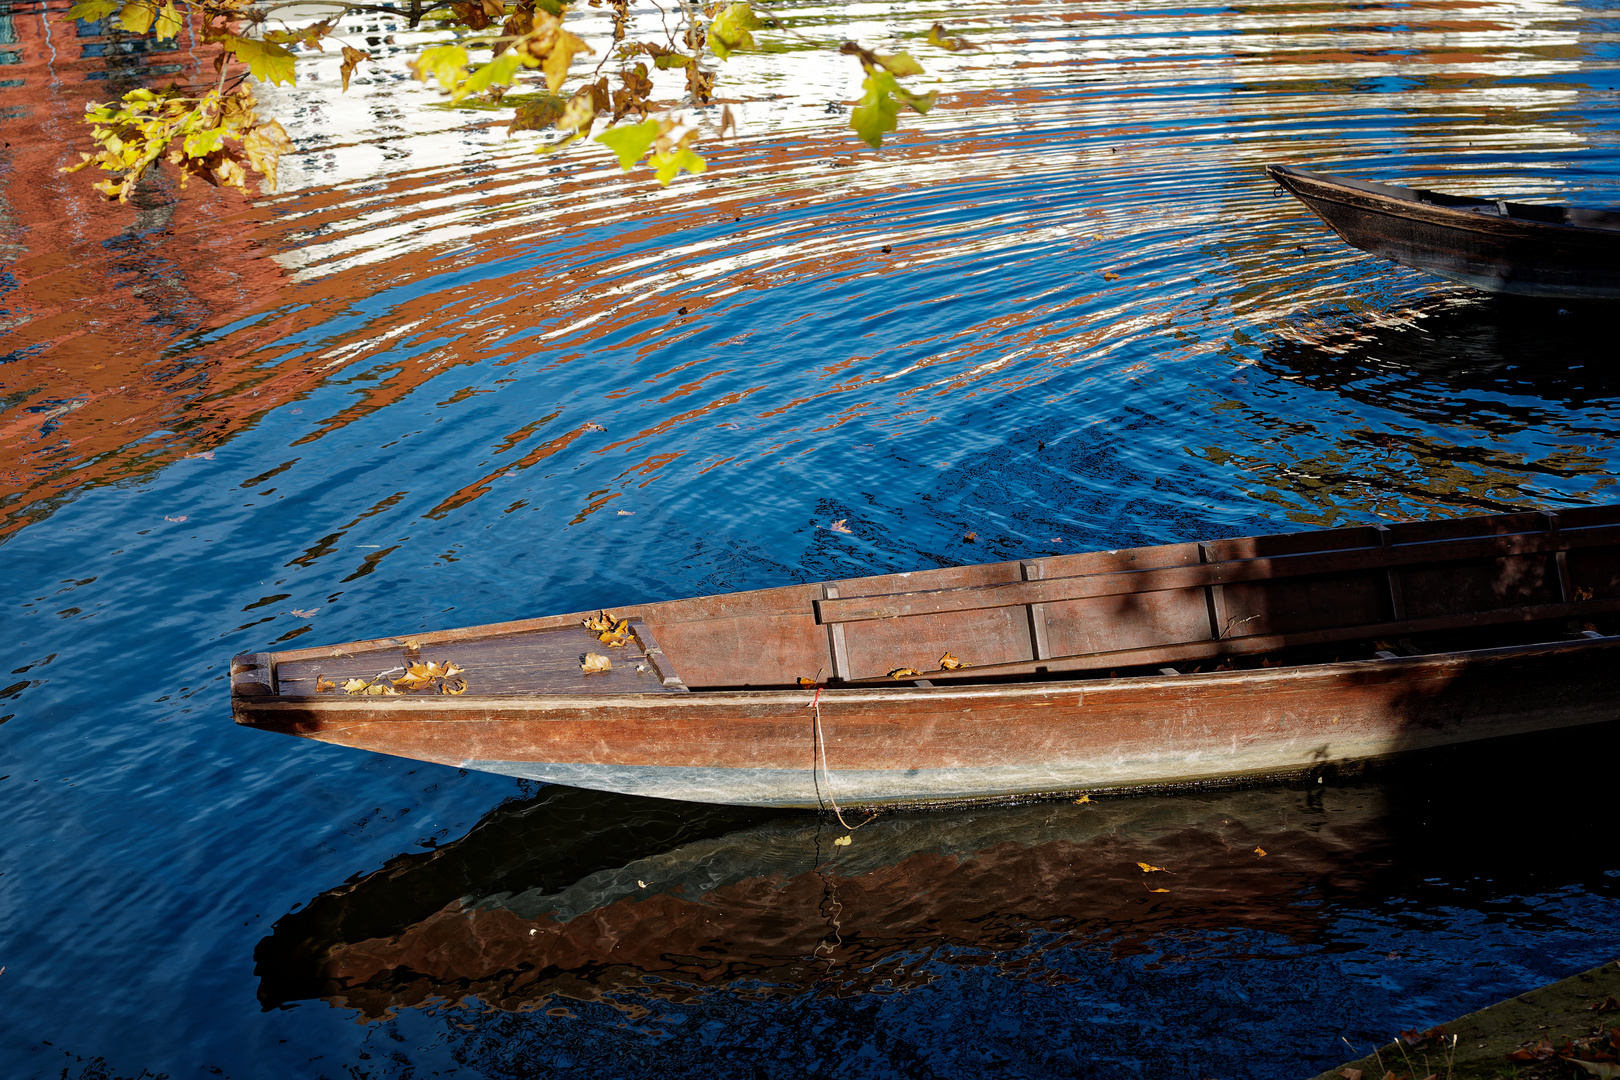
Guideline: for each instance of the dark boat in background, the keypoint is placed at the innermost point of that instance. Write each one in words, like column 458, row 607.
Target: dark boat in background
column 1521, row 249
column 1148, row 667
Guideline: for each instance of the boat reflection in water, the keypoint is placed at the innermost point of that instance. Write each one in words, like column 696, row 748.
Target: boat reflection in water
column 588, row 896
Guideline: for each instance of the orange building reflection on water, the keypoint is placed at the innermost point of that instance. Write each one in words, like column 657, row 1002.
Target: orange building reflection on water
column 95, row 296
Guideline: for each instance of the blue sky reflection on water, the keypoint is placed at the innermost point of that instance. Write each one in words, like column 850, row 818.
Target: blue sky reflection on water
column 451, row 382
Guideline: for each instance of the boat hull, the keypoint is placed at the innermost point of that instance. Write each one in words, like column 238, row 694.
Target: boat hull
column 1472, row 243
column 952, row 745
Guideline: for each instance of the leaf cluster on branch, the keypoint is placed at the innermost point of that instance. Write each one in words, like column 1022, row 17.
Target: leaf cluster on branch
column 216, row 132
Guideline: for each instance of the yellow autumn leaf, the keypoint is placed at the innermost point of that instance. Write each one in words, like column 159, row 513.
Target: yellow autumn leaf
column 666, row 165
column 555, row 64
column 600, row 623
column 904, row 673
column 595, row 663
column 806, row 682
column 92, row 10
column 453, row 686
column 137, row 17
column 1260, row 851
column 168, row 22
column 323, row 684
column 900, row 64
column 355, row 686
column 1082, row 799
column 351, row 59
column 1158, row 890
column 264, row 145
column 265, row 59
column 844, row 841
column 949, row 662
column 1148, row 868
column 937, row 38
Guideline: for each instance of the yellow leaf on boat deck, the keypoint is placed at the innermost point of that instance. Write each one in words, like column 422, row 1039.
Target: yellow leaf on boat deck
column 949, row 662
column 844, row 841
column 1082, row 799
column 355, row 686
column 1148, row 868
column 1260, row 851
column 453, row 686
column 600, row 623
column 806, row 682
column 1158, row 890
column 323, row 684
column 904, row 673
column 595, row 663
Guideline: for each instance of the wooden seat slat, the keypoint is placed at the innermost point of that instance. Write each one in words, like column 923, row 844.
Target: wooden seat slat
column 1266, row 643
column 834, row 610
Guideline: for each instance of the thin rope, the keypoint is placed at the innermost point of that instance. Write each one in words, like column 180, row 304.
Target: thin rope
column 815, row 703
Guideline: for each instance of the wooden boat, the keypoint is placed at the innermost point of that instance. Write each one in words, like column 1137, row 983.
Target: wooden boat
column 1489, row 244
column 1170, row 665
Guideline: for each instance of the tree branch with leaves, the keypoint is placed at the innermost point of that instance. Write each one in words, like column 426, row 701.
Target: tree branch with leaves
column 217, row 133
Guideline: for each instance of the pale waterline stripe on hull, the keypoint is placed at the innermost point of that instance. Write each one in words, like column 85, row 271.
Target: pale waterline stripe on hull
column 795, row 788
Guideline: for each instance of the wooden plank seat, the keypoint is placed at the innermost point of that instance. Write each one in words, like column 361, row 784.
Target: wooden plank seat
column 534, row 662
column 1279, row 605
column 834, row 609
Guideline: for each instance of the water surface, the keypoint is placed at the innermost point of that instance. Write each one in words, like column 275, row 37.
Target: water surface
column 439, row 380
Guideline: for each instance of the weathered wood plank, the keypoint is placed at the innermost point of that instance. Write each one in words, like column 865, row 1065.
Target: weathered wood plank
column 1266, row 643
column 900, row 605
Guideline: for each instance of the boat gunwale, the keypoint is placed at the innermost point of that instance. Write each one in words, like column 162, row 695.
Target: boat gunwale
column 857, row 695
column 1411, row 207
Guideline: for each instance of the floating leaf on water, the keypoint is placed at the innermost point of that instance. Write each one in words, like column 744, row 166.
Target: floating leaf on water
column 627, row 513
column 904, row 673
column 844, row 841
column 968, row 538
column 1148, row 868
column 1260, row 851
column 323, row 684
column 595, row 663
column 1109, row 275
column 593, row 427
column 949, row 662
column 841, row 525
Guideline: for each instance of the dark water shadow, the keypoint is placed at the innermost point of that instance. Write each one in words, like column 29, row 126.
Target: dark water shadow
column 591, row 897
column 1432, row 360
